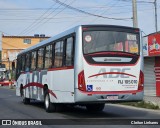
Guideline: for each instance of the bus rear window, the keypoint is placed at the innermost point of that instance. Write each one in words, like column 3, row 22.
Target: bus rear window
column 103, row 41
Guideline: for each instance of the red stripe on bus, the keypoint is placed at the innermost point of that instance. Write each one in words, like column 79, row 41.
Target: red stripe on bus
column 105, row 73
column 61, row 68
column 110, row 53
column 40, row 86
column 51, row 92
column 112, row 64
column 112, row 92
column 52, row 69
column 33, row 84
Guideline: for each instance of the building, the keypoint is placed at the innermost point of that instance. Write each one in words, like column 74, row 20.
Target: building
column 12, row 45
column 151, row 52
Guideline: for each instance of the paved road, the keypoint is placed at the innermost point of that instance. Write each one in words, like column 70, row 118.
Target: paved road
column 11, row 107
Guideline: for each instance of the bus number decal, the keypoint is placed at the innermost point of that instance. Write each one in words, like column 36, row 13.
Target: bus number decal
column 98, row 88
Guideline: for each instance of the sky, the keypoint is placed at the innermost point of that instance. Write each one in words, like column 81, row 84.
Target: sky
column 29, row 17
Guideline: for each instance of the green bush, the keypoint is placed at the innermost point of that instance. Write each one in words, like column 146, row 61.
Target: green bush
column 142, row 104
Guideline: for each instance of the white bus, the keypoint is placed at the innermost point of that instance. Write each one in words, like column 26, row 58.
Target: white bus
column 87, row 65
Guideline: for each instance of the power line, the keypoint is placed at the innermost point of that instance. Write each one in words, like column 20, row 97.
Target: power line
column 115, row 3
column 80, row 20
column 141, row 1
column 36, row 20
column 44, row 18
column 40, row 24
column 49, row 18
column 144, row 2
column 87, row 13
column 37, row 9
column 69, row 17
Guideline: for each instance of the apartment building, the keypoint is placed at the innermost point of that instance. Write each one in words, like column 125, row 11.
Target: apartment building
column 12, row 45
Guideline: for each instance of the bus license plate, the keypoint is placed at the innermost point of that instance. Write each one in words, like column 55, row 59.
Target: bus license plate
column 112, row 97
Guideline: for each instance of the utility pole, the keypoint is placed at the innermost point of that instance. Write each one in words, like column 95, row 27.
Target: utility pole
column 155, row 4
column 134, row 8
column 155, row 10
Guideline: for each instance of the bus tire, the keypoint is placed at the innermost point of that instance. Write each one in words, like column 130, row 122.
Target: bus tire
column 21, row 91
column 49, row 107
column 95, row 107
column 26, row 100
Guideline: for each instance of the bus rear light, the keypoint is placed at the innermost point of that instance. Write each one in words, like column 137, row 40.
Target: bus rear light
column 137, row 30
column 140, row 88
column 84, row 29
column 141, row 81
column 81, row 81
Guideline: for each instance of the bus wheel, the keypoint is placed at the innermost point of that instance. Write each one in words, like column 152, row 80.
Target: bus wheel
column 26, row 100
column 49, row 107
column 21, row 91
column 95, row 107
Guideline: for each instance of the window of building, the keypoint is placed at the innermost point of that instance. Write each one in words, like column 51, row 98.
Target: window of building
column 69, row 52
column 27, row 65
column 48, row 56
column 27, row 41
column 40, row 58
column 58, row 54
column 33, row 60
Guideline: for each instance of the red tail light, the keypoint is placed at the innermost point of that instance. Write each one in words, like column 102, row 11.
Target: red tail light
column 141, row 81
column 81, row 81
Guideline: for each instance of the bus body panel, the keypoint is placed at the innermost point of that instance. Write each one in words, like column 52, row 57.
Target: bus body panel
column 62, row 89
column 18, row 85
column 61, row 82
column 111, row 78
column 32, row 85
column 78, row 59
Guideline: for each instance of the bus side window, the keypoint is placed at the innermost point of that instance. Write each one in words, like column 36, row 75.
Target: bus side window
column 33, row 60
column 19, row 65
column 58, row 54
column 23, row 63
column 27, row 65
column 69, row 52
column 40, row 58
column 48, row 56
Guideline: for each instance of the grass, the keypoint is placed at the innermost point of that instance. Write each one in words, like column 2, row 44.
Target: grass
column 142, row 104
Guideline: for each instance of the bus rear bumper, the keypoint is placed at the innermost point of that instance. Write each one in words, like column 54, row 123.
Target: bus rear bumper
column 104, row 97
